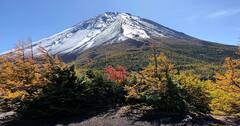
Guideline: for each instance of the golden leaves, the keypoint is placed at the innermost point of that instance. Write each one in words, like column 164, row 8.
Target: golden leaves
column 229, row 79
column 226, row 89
column 152, row 78
column 22, row 73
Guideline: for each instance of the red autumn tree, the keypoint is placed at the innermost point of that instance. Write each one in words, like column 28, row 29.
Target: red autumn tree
column 116, row 74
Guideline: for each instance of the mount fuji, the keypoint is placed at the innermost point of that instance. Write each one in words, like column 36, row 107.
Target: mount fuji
column 121, row 38
column 107, row 28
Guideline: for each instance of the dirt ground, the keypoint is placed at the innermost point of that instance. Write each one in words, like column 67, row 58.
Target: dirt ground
column 122, row 117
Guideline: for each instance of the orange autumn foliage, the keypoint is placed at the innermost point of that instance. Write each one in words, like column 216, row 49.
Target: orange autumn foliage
column 229, row 79
column 22, row 74
column 226, row 89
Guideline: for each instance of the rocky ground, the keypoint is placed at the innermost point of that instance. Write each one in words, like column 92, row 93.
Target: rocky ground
column 122, row 117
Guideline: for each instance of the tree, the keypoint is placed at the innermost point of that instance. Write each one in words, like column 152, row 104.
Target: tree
column 161, row 87
column 22, row 75
column 226, row 89
column 229, row 78
column 118, row 74
column 99, row 90
column 60, row 96
column 155, row 86
column 19, row 73
column 195, row 92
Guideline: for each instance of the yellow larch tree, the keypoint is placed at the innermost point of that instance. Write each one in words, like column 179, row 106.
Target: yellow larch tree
column 226, row 89
column 154, row 77
column 22, row 74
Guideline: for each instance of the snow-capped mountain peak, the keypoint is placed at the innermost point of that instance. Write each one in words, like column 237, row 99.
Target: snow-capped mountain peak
column 107, row 28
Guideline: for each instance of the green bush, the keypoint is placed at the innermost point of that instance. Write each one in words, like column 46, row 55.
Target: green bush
column 194, row 92
column 100, row 91
column 170, row 100
column 61, row 96
column 66, row 94
column 178, row 96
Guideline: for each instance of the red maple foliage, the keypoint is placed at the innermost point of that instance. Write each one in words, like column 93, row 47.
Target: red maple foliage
column 116, row 74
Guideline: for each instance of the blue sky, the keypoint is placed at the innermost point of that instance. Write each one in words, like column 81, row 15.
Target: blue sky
column 213, row 20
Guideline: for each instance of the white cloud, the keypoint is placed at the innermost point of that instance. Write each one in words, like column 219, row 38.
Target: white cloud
column 222, row 13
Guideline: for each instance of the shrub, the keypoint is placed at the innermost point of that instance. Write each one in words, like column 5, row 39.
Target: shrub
column 195, row 92
column 118, row 74
column 66, row 94
column 61, row 96
column 101, row 91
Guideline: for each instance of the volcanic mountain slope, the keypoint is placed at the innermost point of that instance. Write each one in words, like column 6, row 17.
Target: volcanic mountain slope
column 121, row 38
column 200, row 56
column 107, row 28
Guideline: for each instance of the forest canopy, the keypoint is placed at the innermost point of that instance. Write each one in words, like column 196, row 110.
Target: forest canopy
column 43, row 86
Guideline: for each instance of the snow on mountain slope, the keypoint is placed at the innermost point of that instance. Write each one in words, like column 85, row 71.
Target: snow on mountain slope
column 104, row 29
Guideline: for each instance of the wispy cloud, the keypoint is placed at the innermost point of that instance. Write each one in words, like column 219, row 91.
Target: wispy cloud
column 223, row 13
